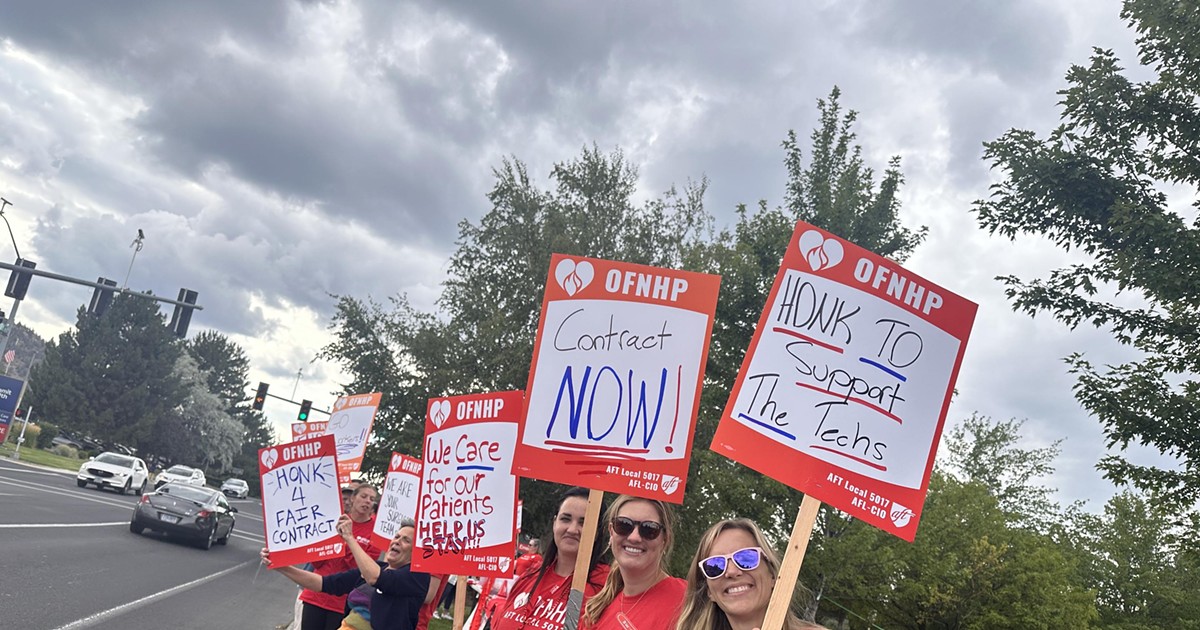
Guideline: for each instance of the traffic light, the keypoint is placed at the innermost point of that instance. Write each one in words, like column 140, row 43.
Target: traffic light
column 18, row 281
column 305, row 407
column 183, row 314
column 261, row 396
column 102, row 298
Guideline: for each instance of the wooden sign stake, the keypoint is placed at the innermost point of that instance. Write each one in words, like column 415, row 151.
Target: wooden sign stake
column 789, row 570
column 460, row 602
column 591, row 521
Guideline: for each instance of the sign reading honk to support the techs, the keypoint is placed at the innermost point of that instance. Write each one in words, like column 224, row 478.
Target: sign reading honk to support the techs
column 615, row 380
column 301, row 501
column 844, row 389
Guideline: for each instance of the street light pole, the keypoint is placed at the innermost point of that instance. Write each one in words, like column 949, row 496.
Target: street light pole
column 4, row 203
column 137, row 247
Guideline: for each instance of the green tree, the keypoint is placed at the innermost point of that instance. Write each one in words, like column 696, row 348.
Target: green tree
column 1104, row 183
column 199, row 431
column 227, row 372
column 111, row 377
column 1143, row 568
column 968, row 569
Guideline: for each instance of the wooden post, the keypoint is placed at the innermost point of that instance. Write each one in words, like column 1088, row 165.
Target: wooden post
column 591, row 521
column 789, row 570
column 460, row 602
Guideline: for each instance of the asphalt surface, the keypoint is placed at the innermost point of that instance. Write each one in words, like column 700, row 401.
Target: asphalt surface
column 68, row 561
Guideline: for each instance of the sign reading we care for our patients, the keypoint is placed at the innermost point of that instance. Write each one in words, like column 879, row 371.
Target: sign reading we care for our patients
column 846, row 383
column 616, row 374
column 467, row 504
column 301, row 501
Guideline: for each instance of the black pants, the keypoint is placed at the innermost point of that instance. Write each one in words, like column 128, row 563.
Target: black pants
column 316, row 618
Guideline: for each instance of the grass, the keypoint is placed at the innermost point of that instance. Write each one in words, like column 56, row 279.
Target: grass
column 37, row 456
column 440, row 624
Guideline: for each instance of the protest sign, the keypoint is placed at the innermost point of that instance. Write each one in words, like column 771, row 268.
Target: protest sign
column 302, row 430
column 10, row 395
column 615, row 380
column 301, row 501
column 847, row 380
column 350, row 425
column 397, row 499
column 467, row 506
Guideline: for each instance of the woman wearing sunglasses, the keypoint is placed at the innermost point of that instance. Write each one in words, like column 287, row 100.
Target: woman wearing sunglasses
column 538, row 599
column 639, row 594
column 730, row 581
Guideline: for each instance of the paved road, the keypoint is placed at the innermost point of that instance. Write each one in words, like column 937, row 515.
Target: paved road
column 68, row 561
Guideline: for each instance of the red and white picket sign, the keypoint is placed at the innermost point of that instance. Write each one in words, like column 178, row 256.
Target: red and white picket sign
column 350, row 425
column 467, row 506
column 301, row 501
column 397, row 498
column 302, row 430
column 615, row 381
column 845, row 386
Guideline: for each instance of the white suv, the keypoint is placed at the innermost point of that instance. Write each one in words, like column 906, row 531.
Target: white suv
column 183, row 474
column 114, row 470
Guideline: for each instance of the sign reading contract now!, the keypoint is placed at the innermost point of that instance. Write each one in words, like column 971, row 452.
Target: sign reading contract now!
column 301, row 501
column 847, row 380
column 615, row 380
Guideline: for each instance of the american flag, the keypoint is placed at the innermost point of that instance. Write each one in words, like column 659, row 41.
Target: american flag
column 9, row 356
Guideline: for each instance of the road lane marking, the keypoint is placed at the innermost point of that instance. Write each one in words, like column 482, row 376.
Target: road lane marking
column 17, row 525
column 116, row 611
column 76, row 494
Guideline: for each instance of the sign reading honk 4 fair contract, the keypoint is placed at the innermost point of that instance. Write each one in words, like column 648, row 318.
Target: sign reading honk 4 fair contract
column 845, row 387
column 301, row 501
column 616, row 374
column 467, row 506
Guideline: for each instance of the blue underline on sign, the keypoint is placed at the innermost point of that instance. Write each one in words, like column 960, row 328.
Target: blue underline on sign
column 767, row 426
column 884, row 368
column 487, row 468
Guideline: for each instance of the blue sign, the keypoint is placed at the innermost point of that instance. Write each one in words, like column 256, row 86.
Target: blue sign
column 10, row 393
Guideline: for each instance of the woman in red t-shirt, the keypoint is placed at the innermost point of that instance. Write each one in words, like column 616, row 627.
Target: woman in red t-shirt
column 538, row 599
column 639, row 594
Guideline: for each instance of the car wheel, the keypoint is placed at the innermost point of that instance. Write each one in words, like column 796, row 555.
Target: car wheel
column 127, row 487
column 208, row 541
column 225, row 540
column 142, row 488
column 81, row 483
column 135, row 528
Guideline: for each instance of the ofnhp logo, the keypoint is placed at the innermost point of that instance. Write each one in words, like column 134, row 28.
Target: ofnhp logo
column 820, row 252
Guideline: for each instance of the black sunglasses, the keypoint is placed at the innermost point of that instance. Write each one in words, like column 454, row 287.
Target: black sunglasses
column 746, row 559
column 649, row 530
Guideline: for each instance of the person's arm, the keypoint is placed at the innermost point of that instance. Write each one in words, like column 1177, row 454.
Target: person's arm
column 366, row 564
column 306, row 579
column 434, row 583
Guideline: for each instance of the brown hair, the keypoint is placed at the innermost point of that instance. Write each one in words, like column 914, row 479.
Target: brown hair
column 615, row 583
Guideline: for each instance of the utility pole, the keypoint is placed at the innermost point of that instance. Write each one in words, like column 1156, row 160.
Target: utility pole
column 298, row 373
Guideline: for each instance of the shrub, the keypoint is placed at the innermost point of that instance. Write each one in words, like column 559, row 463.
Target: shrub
column 46, row 438
column 31, row 433
column 65, row 451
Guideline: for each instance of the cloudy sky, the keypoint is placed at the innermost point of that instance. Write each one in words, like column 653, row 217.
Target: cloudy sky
column 278, row 151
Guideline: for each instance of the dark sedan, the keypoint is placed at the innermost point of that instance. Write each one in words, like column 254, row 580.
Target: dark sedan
column 179, row 509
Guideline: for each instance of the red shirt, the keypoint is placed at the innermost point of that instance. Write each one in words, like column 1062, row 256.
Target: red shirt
column 545, row 608
column 657, row 608
column 337, row 603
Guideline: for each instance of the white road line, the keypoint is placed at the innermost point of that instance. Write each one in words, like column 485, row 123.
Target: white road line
column 124, row 608
column 19, row 525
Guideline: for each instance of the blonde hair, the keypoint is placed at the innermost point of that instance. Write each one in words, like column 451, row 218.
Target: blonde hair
column 615, row 583
column 699, row 610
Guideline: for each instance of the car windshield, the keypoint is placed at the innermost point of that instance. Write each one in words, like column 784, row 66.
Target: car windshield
column 189, row 493
column 116, row 460
column 180, row 470
column 235, row 482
